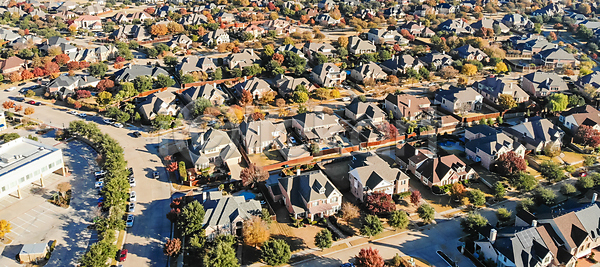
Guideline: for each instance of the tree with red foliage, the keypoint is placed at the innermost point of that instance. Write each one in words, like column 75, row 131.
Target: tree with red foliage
column 252, row 175
column 176, row 203
column 379, row 203
column 369, row 257
column 77, row 104
column 257, row 116
column 62, row 59
column 150, row 10
column 84, row 64
column 510, row 163
column 26, row 31
column 51, row 67
column 278, row 57
column 588, row 136
column 271, row 6
column 397, row 48
column 73, row 65
column 83, row 94
column 26, row 75
column 594, row 56
column 415, row 197
column 119, row 59
column 172, row 247
column 105, row 84
column 173, row 215
column 404, row 33
column 38, row 72
column 172, row 166
column 246, row 98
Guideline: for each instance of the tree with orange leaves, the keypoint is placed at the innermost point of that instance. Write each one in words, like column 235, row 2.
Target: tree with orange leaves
column 278, row 57
column 18, row 108
column 15, row 77
column 8, row 104
column 158, row 30
column 26, row 75
column 246, row 98
column 62, row 59
column 304, row 19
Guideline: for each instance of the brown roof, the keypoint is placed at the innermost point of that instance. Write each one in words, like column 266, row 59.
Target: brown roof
column 11, row 62
column 571, row 228
column 583, row 113
column 549, row 236
column 409, row 105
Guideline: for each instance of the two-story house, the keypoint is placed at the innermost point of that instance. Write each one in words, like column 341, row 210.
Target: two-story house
column 370, row 174
column 555, row 58
column 310, row 49
column 327, row 75
column 207, row 91
column 286, row 85
column 584, row 115
column 359, row 46
column 317, row 126
column 216, row 37
column 260, row 135
column 194, row 63
column 358, row 110
column 459, row 100
column 243, row 59
column 537, row 134
column 213, row 147
column 256, row 86
column 488, row 149
column 541, row 84
column 369, row 71
column 492, row 87
column 225, row 215
column 401, row 64
column 458, row 26
column 469, row 52
column 406, row 106
column 383, row 36
column 308, row 195
column 437, row 60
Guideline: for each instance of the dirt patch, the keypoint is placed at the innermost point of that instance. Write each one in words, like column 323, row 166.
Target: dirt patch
column 298, row 238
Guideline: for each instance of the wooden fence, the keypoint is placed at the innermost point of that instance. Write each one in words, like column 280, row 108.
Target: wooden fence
column 188, row 85
column 288, row 163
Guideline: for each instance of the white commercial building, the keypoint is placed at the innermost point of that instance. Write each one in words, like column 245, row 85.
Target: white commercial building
column 23, row 161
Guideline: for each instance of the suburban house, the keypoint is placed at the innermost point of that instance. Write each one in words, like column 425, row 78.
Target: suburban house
column 122, row 17
column 430, row 169
column 469, row 52
column 517, row 21
column 401, row 64
column 240, row 60
column 128, row 32
column 437, row 60
column 207, row 91
column 181, row 41
column 549, row 10
column 326, row 4
column 531, row 44
column 406, row 106
column 161, row 103
column 8, row 35
column 87, row 10
column 194, row 19
column 194, row 63
column 216, row 37
column 417, row 29
column 492, row 87
column 383, row 36
column 489, row 148
column 88, row 22
column 393, row 11
column 459, row 100
column 64, row 86
column 327, row 75
column 370, row 71
column 593, row 79
column 52, row 41
column 541, row 84
column 577, row 116
column 359, row 46
column 260, row 135
column 131, row 72
column 358, row 111
column 479, row 131
column 490, row 24
column 317, row 126
column 213, row 147
column 291, row 48
column 555, row 58
column 310, row 49
column 286, row 85
column 445, row 9
column 255, row 30
column 307, row 195
column 12, row 64
column 424, row 10
column 370, row 174
column 225, row 215
column 537, row 134
column 458, row 26
column 326, row 19
column 256, row 86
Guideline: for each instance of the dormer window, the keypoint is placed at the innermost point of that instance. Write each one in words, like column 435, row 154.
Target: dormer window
column 322, row 190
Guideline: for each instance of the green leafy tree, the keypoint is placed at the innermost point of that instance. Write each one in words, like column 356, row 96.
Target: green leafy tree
column 499, row 190
column 525, row 181
column 300, row 97
column 323, row 239
column 104, row 98
column 544, row 196
column 503, row 214
column 164, row 81
column 218, row 74
column 426, row 213
column 526, row 204
column 187, row 78
column 557, row 102
column 142, row 83
column 552, row 171
column 170, row 61
column 191, row 218
column 371, row 226
column 585, row 182
column 200, row 104
column 98, row 69
column 476, row 197
column 275, row 252
column 399, row 219
column 568, row 189
column 162, row 122
column 472, row 222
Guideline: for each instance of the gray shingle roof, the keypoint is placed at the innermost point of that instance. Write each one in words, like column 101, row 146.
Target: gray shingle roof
column 130, row 73
column 224, row 210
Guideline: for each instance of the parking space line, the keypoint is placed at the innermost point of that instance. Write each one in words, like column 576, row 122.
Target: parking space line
column 35, row 218
column 26, row 223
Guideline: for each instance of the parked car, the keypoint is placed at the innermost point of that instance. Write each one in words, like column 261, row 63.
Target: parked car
column 580, row 174
column 72, row 112
column 100, row 173
column 131, row 207
column 118, row 125
column 156, row 174
column 122, row 255
column 108, row 121
column 129, row 221
column 292, row 140
column 83, row 115
column 130, row 172
column 99, row 184
column 137, row 134
column 131, row 182
column 349, row 264
column 24, row 91
column 10, row 89
column 132, row 197
column 20, row 99
column 346, row 99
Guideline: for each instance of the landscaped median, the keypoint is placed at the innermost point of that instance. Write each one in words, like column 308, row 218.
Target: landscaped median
column 115, row 192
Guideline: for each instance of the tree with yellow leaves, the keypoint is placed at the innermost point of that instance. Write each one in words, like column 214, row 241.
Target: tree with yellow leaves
column 342, row 41
column 73, row 29
column 273, row 16
column 29, row 111
column 256, row 232
column 5, row 228
column 469, row 69
column 501, row 67
column 159, row 29
column 174, row 27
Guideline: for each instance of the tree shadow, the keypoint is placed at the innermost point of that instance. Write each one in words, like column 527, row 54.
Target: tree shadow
column 295, row 243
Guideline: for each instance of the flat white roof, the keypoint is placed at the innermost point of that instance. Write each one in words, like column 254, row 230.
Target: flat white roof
column 20, row 152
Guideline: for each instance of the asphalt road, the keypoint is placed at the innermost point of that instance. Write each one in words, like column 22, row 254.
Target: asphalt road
column 151, row 228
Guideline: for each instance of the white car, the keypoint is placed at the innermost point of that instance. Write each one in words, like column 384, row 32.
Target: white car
column 118, row 125
column 73, row 112
column 346, row 99
column 108, row 121
column 83, row 115
column 131, row 207
column 11, row 89
column 100, row 173
column 131, row 182
column 129, row 221
column 99, row 184
column 132, row 197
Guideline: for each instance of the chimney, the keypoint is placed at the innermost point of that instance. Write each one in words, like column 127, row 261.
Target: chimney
column 511, row 86
column 416, row 152
column 202, row 138
column 493, row 234
column 298, row 171
column 409, row 103
column 420, row 23
column 526, row 119
column 594, row 197
column 443, row 52
column 547, row 80
column 534, row 223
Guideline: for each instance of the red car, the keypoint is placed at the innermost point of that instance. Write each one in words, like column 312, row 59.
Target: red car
column 122, row 255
